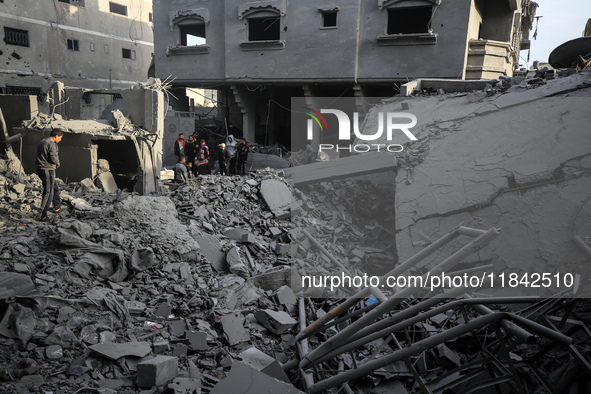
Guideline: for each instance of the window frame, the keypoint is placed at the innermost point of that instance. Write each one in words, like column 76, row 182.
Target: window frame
column 389, row 38
column 73, row 44
column 249, row 15
column 132, row 54
column 77, row 3
column 18, row 33
column 323, row 21
column 113, row 8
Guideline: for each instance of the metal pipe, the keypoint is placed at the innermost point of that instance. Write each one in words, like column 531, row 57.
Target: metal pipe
column 416, row 258
column 387, row 306
column 431, row 342
column 508, row 326
column 308, row 378
column 397, row 323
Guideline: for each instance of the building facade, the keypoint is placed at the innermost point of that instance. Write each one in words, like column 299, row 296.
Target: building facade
column 95, row 44
column 260, row 54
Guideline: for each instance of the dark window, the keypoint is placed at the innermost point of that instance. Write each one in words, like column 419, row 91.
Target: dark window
column 128, row 54
column 150, row 17
column 16, row 37
column 409, row 20
column 79, row 3
column 329, row 19
column 73, row 45
column 25, row 91
column 193, row 34
column 263, row 29
column 117, row 8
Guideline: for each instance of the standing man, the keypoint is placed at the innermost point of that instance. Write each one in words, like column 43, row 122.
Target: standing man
column 243, row 150
column 180, row 146
column 46, row 163
column 231, row 147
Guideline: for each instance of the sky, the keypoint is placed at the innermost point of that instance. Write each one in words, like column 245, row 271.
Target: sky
column 562, row 20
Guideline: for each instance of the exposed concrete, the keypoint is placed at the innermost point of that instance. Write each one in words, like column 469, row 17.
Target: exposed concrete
column 247, row 380
column 157, row 371
column 448, row 85
column 515, row 161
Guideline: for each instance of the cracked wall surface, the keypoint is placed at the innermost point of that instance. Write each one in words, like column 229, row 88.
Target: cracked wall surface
column 517, row 161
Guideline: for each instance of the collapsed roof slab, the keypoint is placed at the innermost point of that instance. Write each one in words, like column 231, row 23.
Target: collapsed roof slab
column 130, row 153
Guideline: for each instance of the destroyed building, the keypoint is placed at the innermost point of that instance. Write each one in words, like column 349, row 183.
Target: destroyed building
column 260, row 54
column 195, row 290
column 114, row 137
column 83, row 43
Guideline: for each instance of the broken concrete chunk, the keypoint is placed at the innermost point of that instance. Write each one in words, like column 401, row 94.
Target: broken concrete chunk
column 260, row 361
column 276, row 322
column 115, row 351
column 234, row 331
column 185, row 386
column 197, row 340
column 277, row 196
column 247, row 380
column 163, row 310
column 107, row 182
column 180, row 349
column 54, row 352
column 212, row 251
column 157, row 371
column 142, row 259
column 19, row 188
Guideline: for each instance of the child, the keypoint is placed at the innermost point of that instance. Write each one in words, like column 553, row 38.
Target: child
column 202, row 165
column 223, row 159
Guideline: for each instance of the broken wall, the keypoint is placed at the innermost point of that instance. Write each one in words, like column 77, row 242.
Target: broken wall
column 15, row 109
column 520, row 161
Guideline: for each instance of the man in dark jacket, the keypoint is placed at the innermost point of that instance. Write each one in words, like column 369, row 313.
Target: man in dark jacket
column 180, row 146
column 46, row 163
column 242, row 150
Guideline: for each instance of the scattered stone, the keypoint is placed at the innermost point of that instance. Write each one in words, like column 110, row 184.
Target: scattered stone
column 157, row 371
column 115, row 351
column 234, row 330
column 276, row 322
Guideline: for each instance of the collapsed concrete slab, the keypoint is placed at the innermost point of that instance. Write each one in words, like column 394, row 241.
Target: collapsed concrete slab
column 247, row 380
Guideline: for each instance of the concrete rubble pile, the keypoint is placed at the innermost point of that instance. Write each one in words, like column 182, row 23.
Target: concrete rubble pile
column 194, row 290
column 197, row 278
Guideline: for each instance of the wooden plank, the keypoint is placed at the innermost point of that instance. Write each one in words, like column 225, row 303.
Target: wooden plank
column 360, row 164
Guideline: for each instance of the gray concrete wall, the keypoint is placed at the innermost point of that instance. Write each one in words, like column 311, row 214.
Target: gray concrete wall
column 15, row 109
column 47, row 58
column 311, row 53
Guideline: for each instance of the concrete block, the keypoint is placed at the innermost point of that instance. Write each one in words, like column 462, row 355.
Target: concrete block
column 54, row 352
column 247, row 380
column 107, row 181
column 212, row 251
column 277, row 196
column 163, row 310
column 234, row 331
column 157, row 371
column 180, row 349
column 260, row 361
column 197, row 340
column 276, row 322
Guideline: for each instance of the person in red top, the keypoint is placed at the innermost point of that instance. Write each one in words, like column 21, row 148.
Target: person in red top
column 180, row 146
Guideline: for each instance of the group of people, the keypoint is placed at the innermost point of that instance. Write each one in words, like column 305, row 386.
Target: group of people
column 199, row 158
